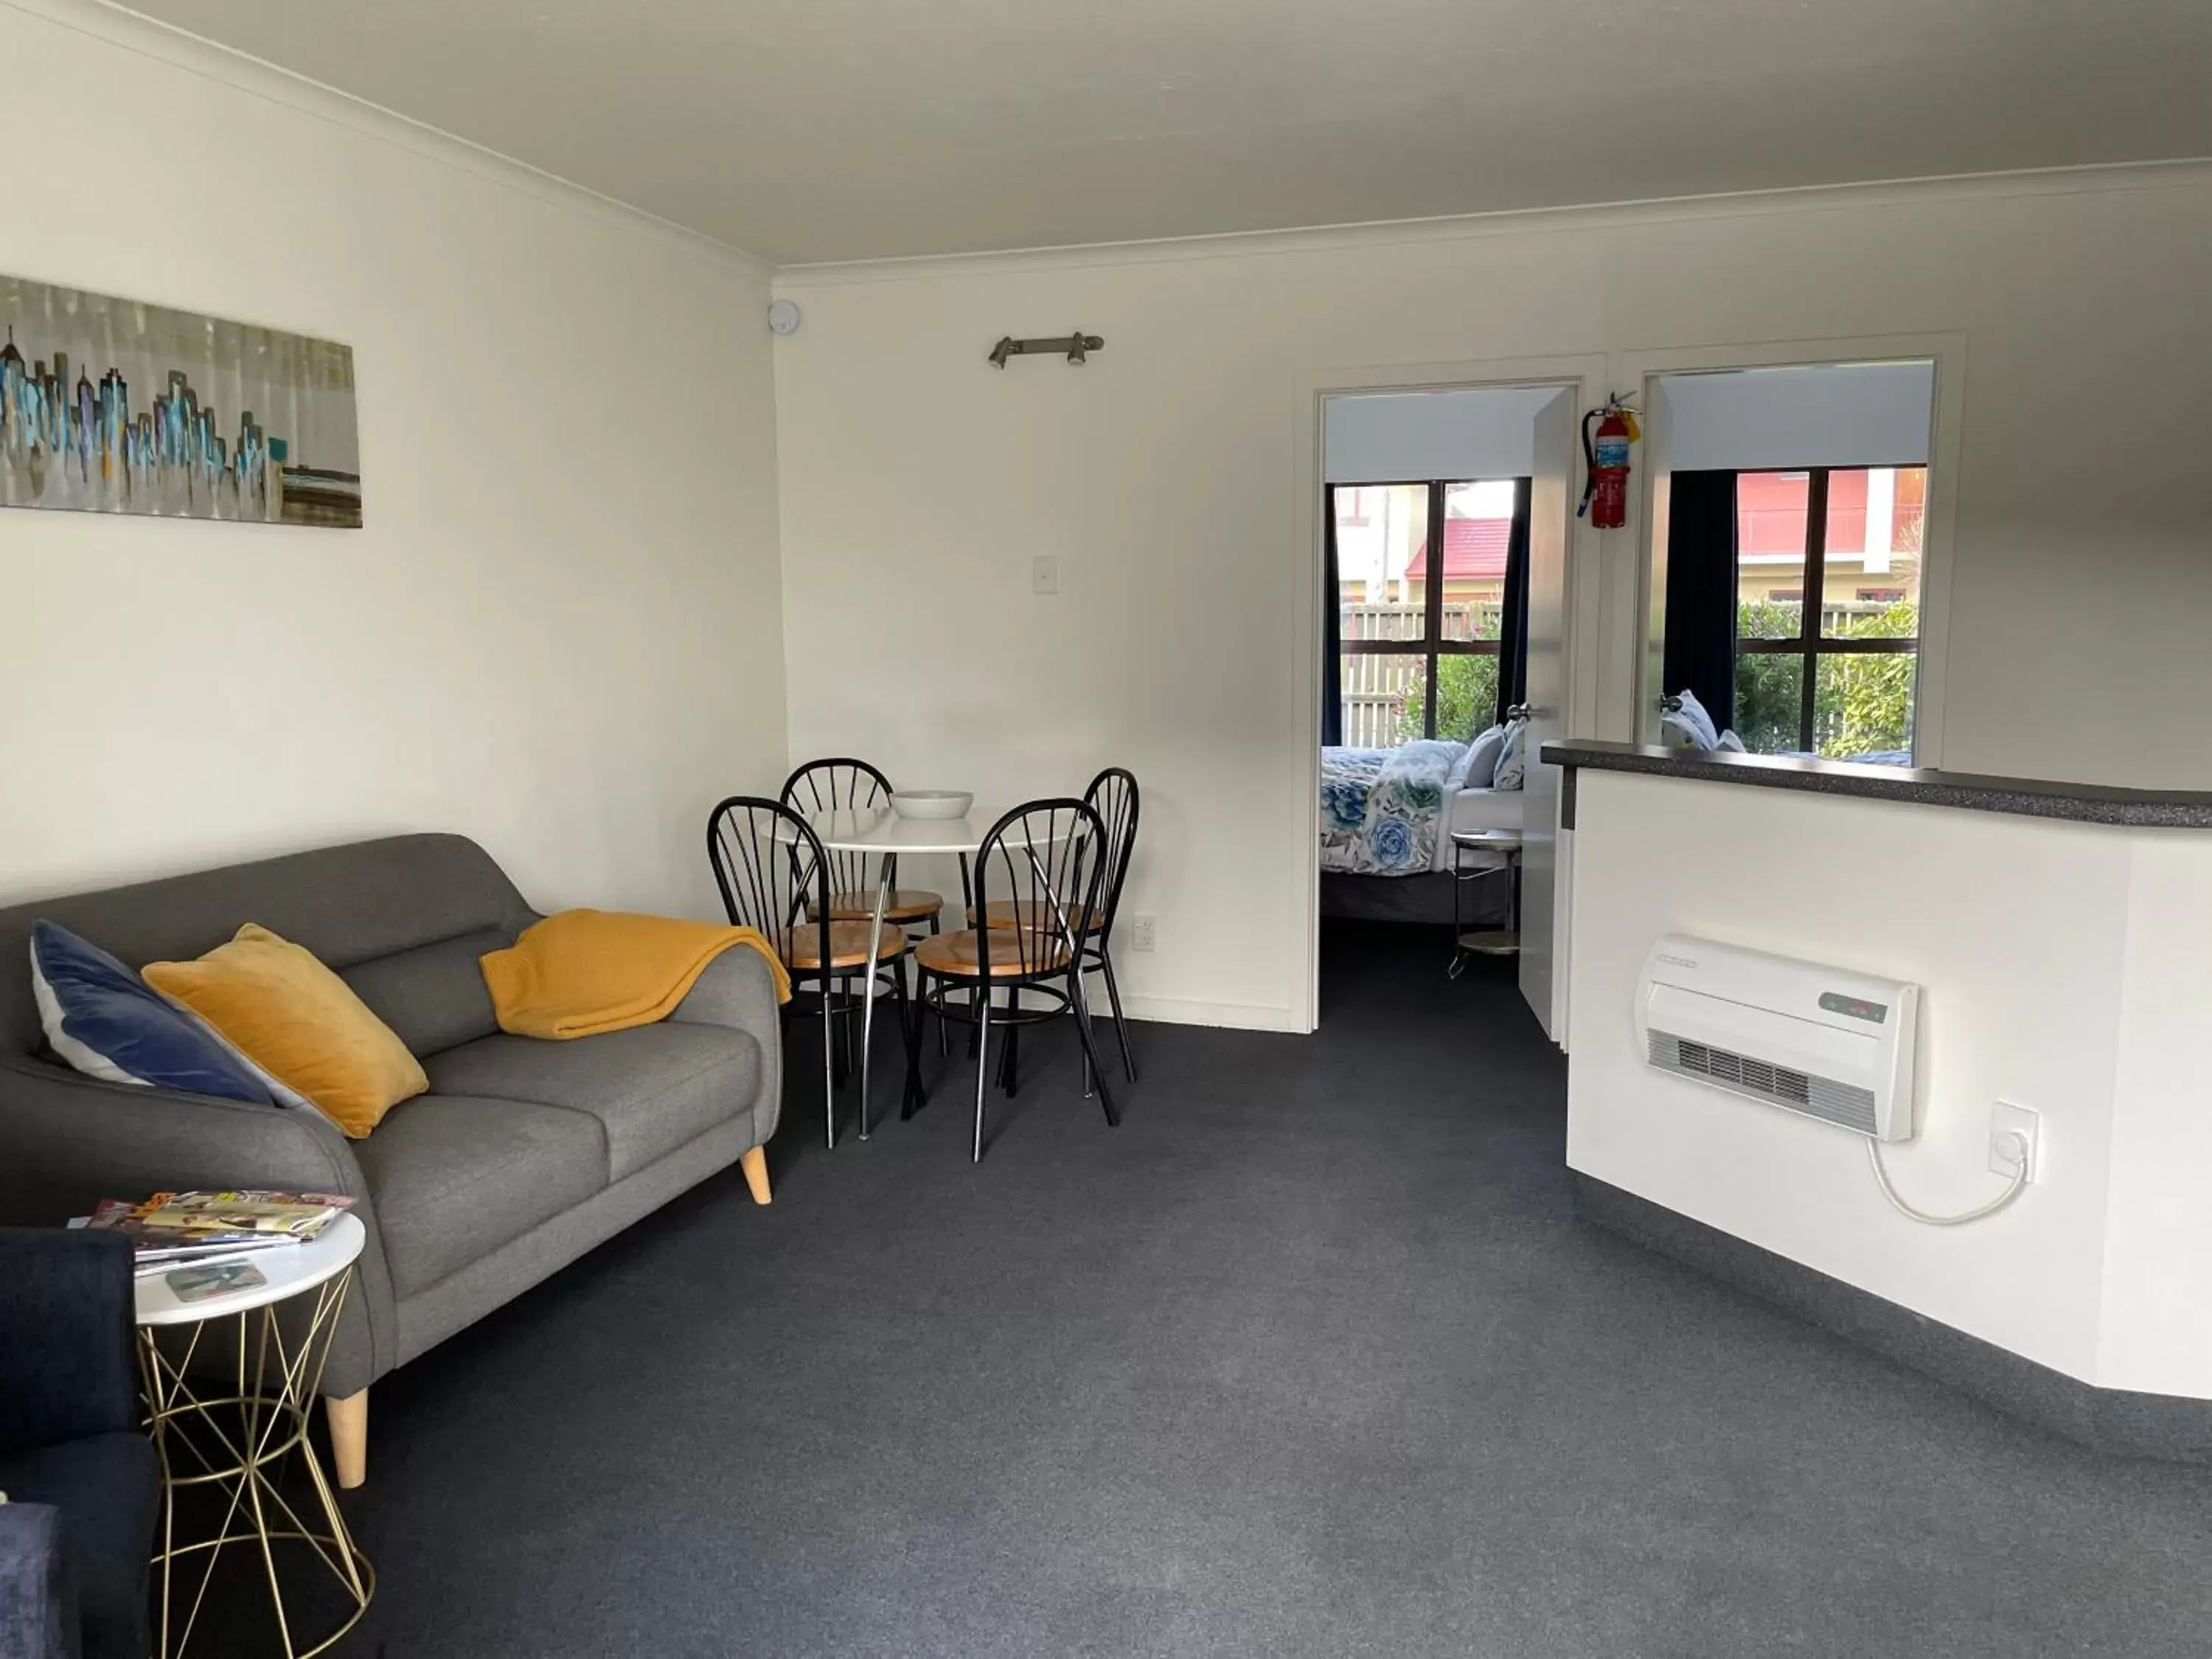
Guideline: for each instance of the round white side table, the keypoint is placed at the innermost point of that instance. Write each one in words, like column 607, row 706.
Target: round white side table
column 277, row 1337
column 1504, row 844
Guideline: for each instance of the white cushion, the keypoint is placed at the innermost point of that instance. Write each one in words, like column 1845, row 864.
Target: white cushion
column 1512, row 758
column 1480, row 761
column 1689, row 726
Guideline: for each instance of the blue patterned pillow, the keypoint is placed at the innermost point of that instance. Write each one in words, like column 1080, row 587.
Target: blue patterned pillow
column 108, row 1022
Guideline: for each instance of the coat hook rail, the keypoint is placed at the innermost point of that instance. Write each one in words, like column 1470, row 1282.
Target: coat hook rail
column 1077, row 345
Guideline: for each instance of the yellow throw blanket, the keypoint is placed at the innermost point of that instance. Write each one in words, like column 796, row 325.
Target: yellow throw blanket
column 584, row 972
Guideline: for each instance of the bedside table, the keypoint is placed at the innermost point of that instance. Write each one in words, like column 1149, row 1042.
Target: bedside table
column 1467, row 846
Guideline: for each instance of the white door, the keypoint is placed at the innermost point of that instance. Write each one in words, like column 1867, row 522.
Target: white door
column 1551, row 511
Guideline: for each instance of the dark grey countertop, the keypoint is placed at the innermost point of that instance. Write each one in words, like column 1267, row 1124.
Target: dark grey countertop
column 2035, row 798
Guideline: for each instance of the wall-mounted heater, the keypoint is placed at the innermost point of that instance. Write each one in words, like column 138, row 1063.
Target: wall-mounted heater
column 1824, row 1043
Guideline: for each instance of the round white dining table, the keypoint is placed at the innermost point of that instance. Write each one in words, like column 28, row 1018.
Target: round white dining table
column 885, row 834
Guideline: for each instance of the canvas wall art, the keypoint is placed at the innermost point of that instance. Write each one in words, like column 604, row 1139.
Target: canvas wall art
column 111, row 405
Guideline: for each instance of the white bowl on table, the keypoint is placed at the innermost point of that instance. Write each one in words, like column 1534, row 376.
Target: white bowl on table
column 932, row 804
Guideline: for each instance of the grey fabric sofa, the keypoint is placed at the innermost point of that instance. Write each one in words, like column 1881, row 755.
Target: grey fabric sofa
column 523, row 1156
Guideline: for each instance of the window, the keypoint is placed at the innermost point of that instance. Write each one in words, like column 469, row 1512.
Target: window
column 1419, row 634
column 1826, row 661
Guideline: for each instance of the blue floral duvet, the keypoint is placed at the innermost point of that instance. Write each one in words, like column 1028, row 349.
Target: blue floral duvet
column 1380, row 808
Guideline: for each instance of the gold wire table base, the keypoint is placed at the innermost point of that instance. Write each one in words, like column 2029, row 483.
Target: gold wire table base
column 235, row 1444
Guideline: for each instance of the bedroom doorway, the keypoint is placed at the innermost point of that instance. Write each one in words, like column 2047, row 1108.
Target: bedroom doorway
column 1444, row 523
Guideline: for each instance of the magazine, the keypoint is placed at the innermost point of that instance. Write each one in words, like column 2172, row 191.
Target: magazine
column 294, row 1215
column 171, row 1230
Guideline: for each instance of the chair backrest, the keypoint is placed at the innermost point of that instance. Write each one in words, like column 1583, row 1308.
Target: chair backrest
column 1046, row 859
column 1113, row 796
column 772, row 871
column 839, row 784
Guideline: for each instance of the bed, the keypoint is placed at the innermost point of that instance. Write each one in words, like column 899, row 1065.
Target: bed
column 1387, row 820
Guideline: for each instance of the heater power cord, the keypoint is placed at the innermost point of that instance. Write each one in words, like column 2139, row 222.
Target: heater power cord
column 2012, row 1142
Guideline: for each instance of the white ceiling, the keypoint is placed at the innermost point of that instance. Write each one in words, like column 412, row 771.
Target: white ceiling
column 817, row 130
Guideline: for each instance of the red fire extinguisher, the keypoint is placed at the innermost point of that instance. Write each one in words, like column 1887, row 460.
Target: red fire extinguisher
column 1606, row 463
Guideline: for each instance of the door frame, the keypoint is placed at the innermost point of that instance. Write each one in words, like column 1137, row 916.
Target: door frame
column 1632, row 710
column 1581, row 375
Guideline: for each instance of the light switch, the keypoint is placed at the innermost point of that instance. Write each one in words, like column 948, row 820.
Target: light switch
column 1044, row 575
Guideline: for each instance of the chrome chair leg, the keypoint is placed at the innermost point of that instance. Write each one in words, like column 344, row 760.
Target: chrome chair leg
column 1121, row 1026
column 828, row 1070
column 1082, row 1005
column 982, row 1071
column 910, row 1020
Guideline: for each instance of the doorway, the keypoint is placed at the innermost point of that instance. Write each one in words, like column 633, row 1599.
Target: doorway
column 1444, row 519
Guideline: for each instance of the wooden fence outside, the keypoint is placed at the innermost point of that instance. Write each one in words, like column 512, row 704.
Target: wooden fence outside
column 1373, row 689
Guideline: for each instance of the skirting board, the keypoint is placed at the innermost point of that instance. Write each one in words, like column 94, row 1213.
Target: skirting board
column 2115, row 1420
column 1192, row 1010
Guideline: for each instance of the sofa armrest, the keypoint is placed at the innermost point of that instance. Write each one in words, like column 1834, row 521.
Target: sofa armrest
column 72, row 1370
column 38, row 1617
column 67, row 1140
column 738, row 989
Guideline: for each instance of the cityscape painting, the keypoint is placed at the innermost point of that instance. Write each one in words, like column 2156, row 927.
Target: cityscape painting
column 110, row 405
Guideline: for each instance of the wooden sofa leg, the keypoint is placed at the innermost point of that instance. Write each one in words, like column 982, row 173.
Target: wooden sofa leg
column 755, row 1164
column 349, row 1420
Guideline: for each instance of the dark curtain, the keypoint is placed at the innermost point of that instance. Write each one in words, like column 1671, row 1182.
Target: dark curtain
column 1701, row 591
column 1332, row 628
column 1513, row 629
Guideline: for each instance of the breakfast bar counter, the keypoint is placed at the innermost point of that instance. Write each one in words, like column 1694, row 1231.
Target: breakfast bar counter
column 2060, row 934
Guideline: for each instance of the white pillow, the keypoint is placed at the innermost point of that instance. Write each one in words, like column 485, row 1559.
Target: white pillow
column 1709, row 735
column 1512, row 758
column 1689, row 726
column 1480, row 761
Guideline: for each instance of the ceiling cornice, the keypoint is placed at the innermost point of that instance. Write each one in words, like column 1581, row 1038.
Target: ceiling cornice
column 2191, row 174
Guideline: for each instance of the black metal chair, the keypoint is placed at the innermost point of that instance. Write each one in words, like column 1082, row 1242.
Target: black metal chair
column 842, row 784
column 1113, row 796
column 774, row 875
column 1040, row 869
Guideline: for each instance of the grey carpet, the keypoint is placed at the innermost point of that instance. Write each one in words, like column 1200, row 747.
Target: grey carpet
column 1309, row 1358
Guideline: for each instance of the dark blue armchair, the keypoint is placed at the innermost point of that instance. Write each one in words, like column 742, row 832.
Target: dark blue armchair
column 82, row 1486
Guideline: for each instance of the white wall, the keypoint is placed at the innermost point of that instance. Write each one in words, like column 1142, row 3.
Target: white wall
column 2155, row 1333
column 559, row 631
column 1384, row 437
column 918, row 482
column 2043, row 987
column 1839, row 415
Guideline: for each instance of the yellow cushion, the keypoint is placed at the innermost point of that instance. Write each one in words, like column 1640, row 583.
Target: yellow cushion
column 300, row 1023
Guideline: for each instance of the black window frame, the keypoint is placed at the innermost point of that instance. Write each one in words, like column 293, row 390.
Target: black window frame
column 1808, row 644
column 1431, row 645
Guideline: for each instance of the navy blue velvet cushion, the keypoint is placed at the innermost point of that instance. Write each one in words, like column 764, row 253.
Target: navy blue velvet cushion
column 108, row 1022
column 108, row 1491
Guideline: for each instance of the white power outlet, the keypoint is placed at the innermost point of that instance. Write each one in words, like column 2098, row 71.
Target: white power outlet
column 2007, row 1121
column 1144, row 932
column 1044, row 575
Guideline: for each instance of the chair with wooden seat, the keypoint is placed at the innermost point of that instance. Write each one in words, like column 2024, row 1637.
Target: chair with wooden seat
column 842, row 784
column 1042, row 867
column 1113, row 796
column 775, row 875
